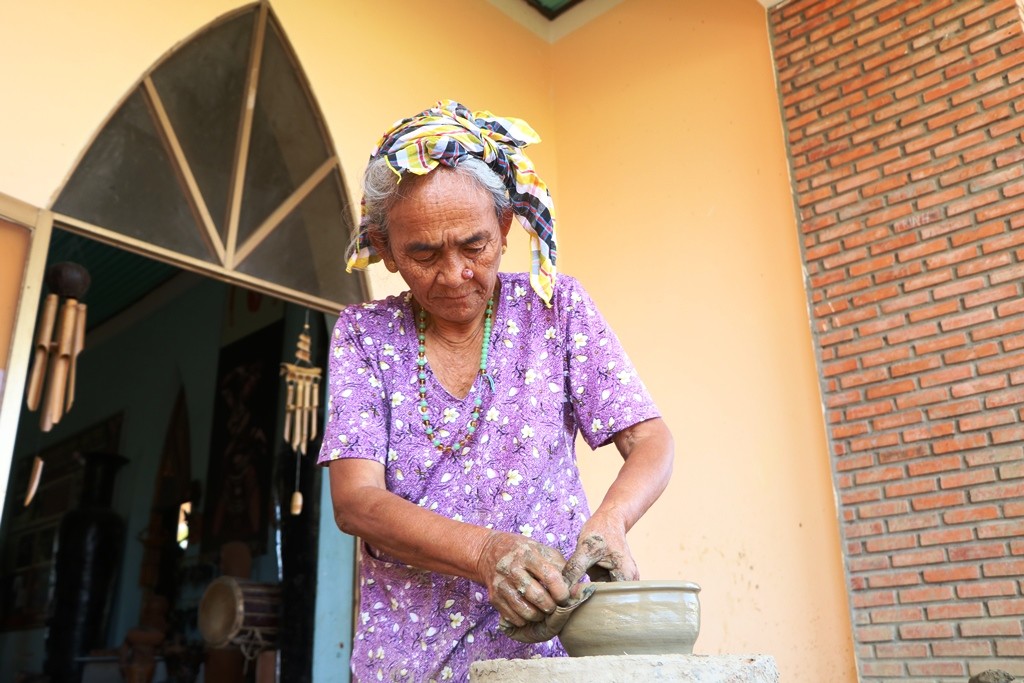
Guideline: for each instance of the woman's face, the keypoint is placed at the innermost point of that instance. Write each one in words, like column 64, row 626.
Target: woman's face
column 444, row 225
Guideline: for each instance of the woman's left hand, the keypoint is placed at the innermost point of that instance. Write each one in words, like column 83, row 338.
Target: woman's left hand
column 601, row 552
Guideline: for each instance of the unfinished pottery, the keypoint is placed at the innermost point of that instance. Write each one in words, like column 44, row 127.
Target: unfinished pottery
column 635, row 618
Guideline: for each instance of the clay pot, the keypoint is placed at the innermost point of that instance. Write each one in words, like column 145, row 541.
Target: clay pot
column 635, row 618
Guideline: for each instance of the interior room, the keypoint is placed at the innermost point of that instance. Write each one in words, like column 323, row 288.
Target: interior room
column 170, row 468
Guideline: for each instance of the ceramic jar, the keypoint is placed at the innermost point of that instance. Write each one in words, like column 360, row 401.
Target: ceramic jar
column 635, row 618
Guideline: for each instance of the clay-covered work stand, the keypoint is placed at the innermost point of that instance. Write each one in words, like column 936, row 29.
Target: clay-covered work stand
column 647, row 618
column 629, row 669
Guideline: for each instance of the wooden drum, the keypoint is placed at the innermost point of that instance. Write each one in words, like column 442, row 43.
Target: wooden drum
column 238, row 612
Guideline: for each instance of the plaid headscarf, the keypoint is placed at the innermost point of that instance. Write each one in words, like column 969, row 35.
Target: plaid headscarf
column 448, row 133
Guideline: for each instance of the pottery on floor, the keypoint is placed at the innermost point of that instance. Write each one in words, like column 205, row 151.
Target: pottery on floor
column 635, row 618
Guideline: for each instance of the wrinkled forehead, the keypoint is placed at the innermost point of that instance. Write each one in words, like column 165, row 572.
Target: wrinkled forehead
column 439, row 186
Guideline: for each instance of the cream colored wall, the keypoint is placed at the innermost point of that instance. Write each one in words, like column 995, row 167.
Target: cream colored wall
column 368, row 63
column 75, row 61
column 688, row 183
column 676, row 213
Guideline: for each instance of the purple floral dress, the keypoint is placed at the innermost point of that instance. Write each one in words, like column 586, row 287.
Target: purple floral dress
column 556, row 371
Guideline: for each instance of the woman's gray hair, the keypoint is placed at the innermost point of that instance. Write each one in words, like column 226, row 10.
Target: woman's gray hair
column 382, row 190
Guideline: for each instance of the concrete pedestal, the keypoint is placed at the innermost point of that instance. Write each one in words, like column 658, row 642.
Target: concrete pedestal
column 629, row 669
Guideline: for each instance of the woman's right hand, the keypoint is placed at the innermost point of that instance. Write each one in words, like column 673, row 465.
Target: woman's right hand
column 523, row 577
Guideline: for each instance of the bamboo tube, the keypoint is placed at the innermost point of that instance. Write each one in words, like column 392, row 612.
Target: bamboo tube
column 45, row 414
column 299, row 415
column 42, row 351
column 296, row 503
column 34, row 478
column 288, row 409
column 61, row 361
column 316, row 406
column 297, row 433
column 306, row 398
column 76, row 348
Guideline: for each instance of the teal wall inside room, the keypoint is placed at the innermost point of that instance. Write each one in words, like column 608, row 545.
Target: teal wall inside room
column 135, row 365
column 137, row 368
column 136, row 371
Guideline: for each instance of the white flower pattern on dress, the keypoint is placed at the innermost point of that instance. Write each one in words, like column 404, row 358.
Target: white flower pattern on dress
column 556, row 371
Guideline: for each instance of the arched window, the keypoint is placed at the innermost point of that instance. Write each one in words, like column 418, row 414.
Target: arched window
column 219, row 162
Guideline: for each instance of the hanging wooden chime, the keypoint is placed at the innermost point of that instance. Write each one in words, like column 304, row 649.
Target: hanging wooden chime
column 301, row 406
column 51, row 381
column 60, row 337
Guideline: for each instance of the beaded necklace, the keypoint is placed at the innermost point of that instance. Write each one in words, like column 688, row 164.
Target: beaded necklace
column 421, row 362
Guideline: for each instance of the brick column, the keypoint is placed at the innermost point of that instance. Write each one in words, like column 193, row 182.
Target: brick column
column 904, row 123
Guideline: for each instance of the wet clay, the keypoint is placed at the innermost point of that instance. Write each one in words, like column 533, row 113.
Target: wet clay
column 538, row 632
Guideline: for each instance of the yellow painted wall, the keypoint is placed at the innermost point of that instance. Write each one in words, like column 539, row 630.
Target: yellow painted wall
column 676, row 212
column 669, row 156
column 368, row 64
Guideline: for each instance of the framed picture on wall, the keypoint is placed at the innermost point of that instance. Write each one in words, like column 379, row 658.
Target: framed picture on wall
column 238, row 502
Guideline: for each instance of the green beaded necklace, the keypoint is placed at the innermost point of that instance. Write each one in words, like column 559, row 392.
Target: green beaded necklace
column 421, row 362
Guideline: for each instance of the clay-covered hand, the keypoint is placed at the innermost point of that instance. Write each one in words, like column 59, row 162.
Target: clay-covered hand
column 539, row 631
column 601, row 553
column 523, row 577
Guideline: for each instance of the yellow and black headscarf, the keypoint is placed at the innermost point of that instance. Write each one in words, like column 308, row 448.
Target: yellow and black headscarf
column 448, row 133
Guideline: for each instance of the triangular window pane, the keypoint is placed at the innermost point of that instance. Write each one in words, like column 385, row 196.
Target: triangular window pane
column 289, row 256
column 126, row 183
column 287, row 141
column 202, row 86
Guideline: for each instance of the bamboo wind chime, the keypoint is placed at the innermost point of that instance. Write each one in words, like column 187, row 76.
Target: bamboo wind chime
column 55, row 357
column 60, row 337
column 302, row 406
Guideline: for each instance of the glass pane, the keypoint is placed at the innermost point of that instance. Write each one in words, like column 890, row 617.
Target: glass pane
column 126, row 183
column 202, row 86
column 287, row 142
column 306, row 251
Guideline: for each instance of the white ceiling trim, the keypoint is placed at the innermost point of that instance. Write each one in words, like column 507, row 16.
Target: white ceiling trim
column 566, row 23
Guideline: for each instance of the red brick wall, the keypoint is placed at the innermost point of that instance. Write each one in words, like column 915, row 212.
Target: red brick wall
column 904, row 122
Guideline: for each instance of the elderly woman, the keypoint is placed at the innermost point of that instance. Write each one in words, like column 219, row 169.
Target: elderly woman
column 454, row 409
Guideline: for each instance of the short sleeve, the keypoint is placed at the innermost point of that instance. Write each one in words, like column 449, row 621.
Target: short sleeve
column 606, row 393
column 357, row 412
